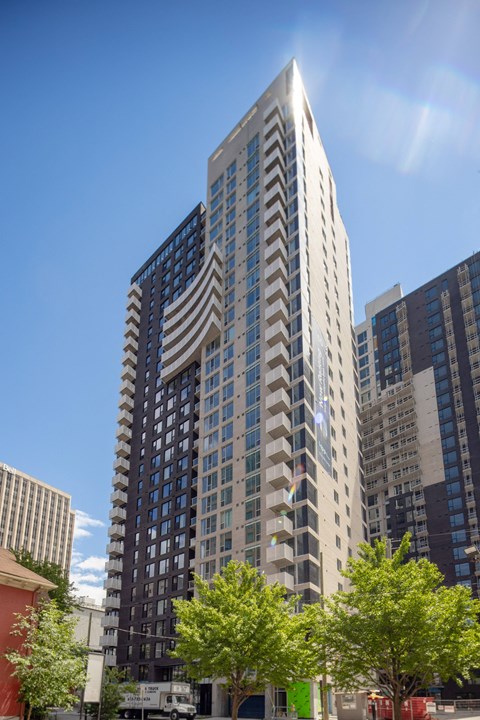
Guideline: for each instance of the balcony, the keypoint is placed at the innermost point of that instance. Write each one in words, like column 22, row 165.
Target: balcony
column 277, row 333
column 115, row 549
column 273, row 177
column 274, row 124
column 273, row 213
column 127, row 388
column 130, row 345
column 276, row 311
column 113, row 583
column 275, row 141
column 277, row 271
column 108, row 641
column 277, row 355
column 134, row 291
column 280, row 526
column 122, row 449
column 275, row 193
column 111, row 602
column 116, row 532
column 279, row 476
column 276, row 250
column 125, row 418
column 123, row 433
column 120, row 482
column 129, row 359
column 279, row 501
column 275, row 231
column 275, row 159
column 282, row 578
column 278, row 450
column 134, row 303
column 128, row 373
column 125, row 403
column 278, row 426
column 121, row 466
column 109, row 621
column 114, row 567
column 277, row 290
column 131, row 329
column 277, row 402
column 280, row 555
column 117, row 514
column 133, row 317
column 110, row 659
column 277, row 378
column 118, row 498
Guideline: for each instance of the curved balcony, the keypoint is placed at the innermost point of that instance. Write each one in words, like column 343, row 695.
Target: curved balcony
column 194, row 319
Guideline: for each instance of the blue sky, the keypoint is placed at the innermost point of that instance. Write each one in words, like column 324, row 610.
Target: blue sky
column 109, row 112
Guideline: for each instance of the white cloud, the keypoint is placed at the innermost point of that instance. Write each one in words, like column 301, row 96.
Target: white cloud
column 83, row 521
column 79, row 577
column 93, row 562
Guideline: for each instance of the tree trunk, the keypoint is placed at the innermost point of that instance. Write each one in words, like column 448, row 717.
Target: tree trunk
column 29, row 712
column 397, row 706
column 236, row 702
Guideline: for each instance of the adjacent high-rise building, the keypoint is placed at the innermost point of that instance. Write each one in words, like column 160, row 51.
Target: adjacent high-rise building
column 419, row 367
column 36, row 517
column 238, row 434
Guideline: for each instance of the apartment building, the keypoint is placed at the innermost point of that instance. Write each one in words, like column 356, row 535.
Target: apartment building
column 36, row 517
column 419, row 367
column 257, row 370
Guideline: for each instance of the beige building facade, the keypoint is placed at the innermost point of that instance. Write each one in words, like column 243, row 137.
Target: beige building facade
column 269, row 319
column 36, row 517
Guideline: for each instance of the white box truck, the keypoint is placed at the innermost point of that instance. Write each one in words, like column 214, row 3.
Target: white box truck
column 159, row 700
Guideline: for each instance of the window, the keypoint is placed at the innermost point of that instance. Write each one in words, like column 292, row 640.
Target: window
column 252, row 508
column 252, row 556
column 253, row 532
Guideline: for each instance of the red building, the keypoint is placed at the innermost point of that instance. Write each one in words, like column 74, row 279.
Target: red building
column 19, row 588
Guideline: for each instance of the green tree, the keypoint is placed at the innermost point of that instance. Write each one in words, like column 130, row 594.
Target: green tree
column 64, row 592
column 115, row 684
column 50, row 665
column 397, row 627
column 241, row 629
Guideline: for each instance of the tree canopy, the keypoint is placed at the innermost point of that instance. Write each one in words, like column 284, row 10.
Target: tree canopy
column 63, row 594
column 50, row 665
column 397, row 627
column 245, row 631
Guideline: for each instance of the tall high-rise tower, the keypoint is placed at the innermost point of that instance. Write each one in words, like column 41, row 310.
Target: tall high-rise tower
column 35, row 517
column 263, row 338
column 419, row 365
